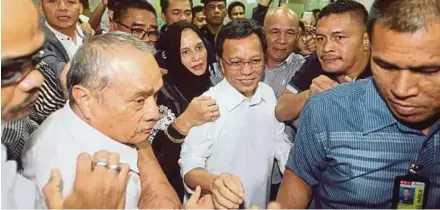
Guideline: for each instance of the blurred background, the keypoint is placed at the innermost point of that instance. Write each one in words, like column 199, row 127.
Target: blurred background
column 299, row 6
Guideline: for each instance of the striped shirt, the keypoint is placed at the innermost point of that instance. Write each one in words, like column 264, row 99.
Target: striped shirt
column 278, row 78
column 51, row 96
column 15, row 135
column 349, row 148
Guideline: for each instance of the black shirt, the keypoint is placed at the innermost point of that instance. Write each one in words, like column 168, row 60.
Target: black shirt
column 208, row 35
column 312, row 69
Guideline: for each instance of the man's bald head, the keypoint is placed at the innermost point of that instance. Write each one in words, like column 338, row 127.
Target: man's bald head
column 21, row 34
column 281, row 12
column 281, row 30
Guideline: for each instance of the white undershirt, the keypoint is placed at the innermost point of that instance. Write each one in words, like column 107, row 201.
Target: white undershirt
column 69, row 45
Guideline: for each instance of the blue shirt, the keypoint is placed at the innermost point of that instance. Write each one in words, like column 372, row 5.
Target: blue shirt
column 349, row 148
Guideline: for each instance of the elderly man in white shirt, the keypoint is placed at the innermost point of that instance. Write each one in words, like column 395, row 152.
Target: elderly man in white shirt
column 94, row 187
column 112, row 83
column 232, row 158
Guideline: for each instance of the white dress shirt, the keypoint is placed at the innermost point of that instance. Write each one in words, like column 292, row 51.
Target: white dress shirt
column 17, row 191
column 69, row 45
column 58, row 142
column 244, row 141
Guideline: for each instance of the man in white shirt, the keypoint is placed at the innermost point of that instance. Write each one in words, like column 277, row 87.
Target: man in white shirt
column 95, row 187
column 112, row 83
column 232, row 158
column 62, row 28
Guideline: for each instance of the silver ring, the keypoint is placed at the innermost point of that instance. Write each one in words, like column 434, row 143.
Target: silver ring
column 102, row 163
column 116, row 168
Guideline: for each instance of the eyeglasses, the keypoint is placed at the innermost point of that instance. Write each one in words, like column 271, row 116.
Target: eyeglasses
column 14, row 70
column 141, row 33
column 239, row 65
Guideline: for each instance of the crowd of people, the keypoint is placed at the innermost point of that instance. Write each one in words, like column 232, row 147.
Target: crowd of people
column 340, row 112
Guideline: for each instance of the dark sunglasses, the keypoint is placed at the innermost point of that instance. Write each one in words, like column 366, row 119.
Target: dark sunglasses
column 14, row 70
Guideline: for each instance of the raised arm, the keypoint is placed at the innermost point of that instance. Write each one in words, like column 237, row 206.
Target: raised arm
column 96, row 16
column 259, row 12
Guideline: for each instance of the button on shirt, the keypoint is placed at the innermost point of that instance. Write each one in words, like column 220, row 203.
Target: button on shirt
column 58, row 142
column 279, row 77
column 69, row 45
column 349, row 148
column 244, row 141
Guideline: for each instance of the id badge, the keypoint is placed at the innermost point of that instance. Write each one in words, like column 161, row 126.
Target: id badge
column 410, row 192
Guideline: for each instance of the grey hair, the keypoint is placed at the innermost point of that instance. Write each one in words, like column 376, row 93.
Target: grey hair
column 91, row 66
column 406, row 16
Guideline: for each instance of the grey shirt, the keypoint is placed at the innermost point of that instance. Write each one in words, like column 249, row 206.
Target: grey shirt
column 279, row 77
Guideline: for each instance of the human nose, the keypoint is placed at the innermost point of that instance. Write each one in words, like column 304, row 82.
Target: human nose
column 151, row 110
column 32, row 81
column 246, row 69
column 328, row 46
column 404, row 84
column 61, row 5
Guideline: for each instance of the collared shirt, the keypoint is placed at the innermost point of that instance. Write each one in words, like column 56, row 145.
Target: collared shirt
column 349, row 148
column 244, row 141
column 69, row 45
column 279, row 77
column 58, row 142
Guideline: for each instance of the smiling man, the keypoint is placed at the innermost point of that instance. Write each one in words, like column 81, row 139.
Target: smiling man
column 232, row 157
column 355, row 139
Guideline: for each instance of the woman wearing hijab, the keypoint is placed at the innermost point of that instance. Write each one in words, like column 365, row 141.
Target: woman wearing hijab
column 181, row 106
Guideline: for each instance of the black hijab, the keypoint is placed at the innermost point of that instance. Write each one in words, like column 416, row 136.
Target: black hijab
column 189, row 84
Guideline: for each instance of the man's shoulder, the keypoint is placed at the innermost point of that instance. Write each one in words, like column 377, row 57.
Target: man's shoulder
column 348, row 98
column 267, row 91
column 50, row 128
column 354, row 91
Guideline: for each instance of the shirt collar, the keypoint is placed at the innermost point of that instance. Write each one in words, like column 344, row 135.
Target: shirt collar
column 376, row 112
column 288, row 60
column 93, row 140
column 78, row 32
column 233, row 98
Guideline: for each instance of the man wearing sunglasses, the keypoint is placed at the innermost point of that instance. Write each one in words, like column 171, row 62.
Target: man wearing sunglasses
column 20, row 52
column 138, row 18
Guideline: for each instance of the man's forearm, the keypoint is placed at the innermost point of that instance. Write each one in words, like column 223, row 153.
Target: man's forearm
column 294, row 193
column 200, row 177
column 184, row 124
column 156, row 191
column 290, row 105
column 95, row 17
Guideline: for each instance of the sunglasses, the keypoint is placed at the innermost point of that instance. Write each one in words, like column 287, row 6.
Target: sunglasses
column 14, row 70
